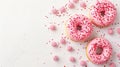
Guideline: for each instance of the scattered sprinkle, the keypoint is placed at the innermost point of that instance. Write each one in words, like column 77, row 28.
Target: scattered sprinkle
column 70, row 48
column 83, row 63
column 55, row 11
column 71, row 5
column 83, row 5
column 110, row 31
column 63, row 9
column 118, row 30
column 63, row 41
column 112, row 64
column 118, row 55
column 56, row 58
column 52, row 27
column 54, row 44
column 75, row 1
column 72, row 59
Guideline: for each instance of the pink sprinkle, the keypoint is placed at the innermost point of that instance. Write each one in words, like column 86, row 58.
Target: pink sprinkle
column 55, row 11
column 70, row 48
column 75, row 1
column 54, row 44
column 71, row 5
column 83, row 5
column 72, row 59
column 110, row 31
column 63, row 41
column 62, row 9
column 83, row 63
column 52, row 27
column 56, row 58
column 112, row 64
column 118, row 55
column 118, row 30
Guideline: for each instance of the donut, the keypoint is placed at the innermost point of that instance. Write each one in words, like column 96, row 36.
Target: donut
column 79, row 27
column 103, row 13
column 99, row 51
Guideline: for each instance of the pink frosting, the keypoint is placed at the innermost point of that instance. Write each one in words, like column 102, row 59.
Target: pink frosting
column 103, row 13
column 104, row 54
column 79, row 28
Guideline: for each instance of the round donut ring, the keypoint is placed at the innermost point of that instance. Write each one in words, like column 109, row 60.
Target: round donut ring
column 103, row 13
column 99, row 50
column 79, row 28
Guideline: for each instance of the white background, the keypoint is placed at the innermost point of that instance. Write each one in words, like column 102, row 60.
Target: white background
column 23, row 35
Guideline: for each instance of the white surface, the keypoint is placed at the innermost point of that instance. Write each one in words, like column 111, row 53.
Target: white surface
column 23, row 36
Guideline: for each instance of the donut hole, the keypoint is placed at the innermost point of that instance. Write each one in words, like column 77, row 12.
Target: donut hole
column 99, row 50
column 102, row 13
column 79, row 27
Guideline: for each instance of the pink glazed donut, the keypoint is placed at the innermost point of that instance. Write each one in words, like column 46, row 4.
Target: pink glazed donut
column 79, row 28
column 99, row 50
column 103, row 13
